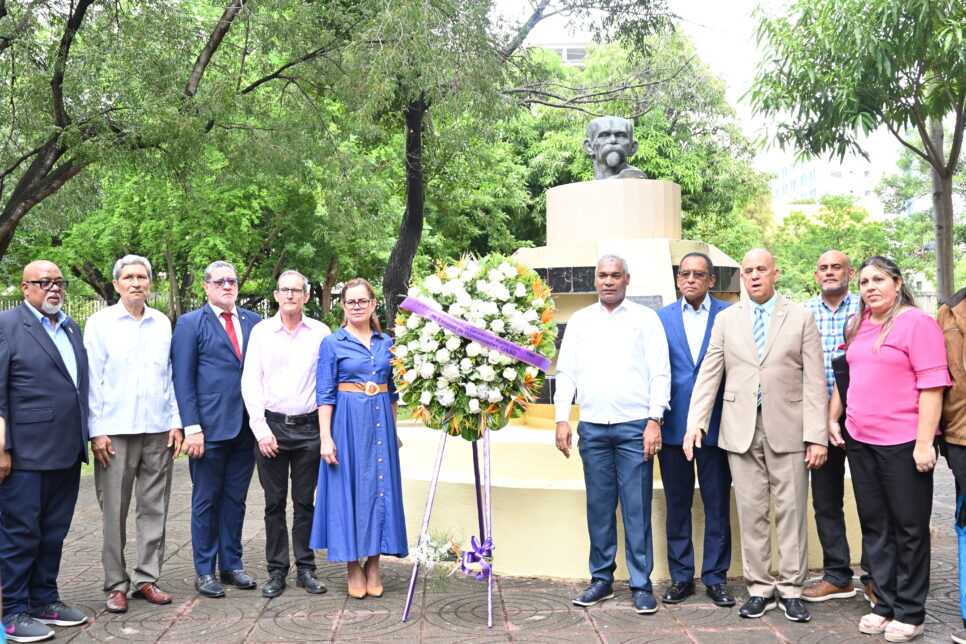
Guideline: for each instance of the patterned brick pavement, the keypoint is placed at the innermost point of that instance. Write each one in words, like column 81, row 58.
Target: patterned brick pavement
column 525, row 610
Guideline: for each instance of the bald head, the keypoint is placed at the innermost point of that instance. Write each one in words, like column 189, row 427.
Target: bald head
column 833, row 274
column 46, row 300
column 758, row 274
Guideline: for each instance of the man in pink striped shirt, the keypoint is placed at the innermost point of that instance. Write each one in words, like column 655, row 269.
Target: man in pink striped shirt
column 278, row 385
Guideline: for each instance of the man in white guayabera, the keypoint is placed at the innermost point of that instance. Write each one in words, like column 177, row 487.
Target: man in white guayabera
column 615, row 357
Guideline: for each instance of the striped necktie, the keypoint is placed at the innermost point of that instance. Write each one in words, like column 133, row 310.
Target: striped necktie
column 760, row 338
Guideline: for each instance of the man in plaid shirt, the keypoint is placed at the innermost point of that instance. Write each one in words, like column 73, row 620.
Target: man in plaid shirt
column 832, row 308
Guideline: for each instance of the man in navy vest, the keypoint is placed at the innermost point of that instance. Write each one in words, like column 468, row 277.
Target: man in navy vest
column 688, row 323
column 43, row 405
column 207, row 354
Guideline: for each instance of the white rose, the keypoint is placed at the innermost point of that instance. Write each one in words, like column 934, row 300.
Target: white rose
column 474, row 349
column 470, row 389
column 494, row 275
column 493, row 357
column 445, row 397
column 399, row 330
column 474, row 406
column 482, row 391
column 520, row 290
column 427, row 369
column 507, row 269
column 415, row 347
column 497, row 325
column 490, row 308
column 532, row 372
column 433, row 284
column 509, row 309
column 442, row 356
column 464, row 299
column 451, row 372
column 426, row 397
column 453, row 343
column 468, row 275
column 432, row 328
column 452, row 272
column 501, row 293
column 518, row 324
column 410, row 376
column 530, row 315
column 466, row 365
column 414, row 291
column 483, row 286
column 538, row 303
column 495, row 396
column 510, row 373
column 413, row 321
column 531, row 329
column 487, row 373
column 442, row 383
column 455, row 310
column 429, row 346
column 402, row 351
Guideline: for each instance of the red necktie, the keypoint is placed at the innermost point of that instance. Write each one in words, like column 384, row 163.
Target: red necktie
column 230, row 328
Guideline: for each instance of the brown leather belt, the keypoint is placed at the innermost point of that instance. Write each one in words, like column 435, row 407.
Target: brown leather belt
column 367, row 388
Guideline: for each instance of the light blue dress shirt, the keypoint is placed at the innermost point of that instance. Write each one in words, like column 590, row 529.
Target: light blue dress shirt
column 769, row 308
column 60, row 339
column 695, row 324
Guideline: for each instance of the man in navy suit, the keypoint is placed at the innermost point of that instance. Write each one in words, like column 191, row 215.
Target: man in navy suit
column 43, row 405
column 207, row 354
column 688, row 323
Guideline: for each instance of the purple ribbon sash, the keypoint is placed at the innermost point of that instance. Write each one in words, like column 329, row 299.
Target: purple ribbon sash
column 477, row 553
column 470, row 332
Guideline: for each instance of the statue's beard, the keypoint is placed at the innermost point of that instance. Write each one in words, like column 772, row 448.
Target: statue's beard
column 613, row 157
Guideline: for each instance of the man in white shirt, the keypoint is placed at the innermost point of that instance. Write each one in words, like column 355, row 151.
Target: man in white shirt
column 278, row 385
column 135, row 430
column 615, row 357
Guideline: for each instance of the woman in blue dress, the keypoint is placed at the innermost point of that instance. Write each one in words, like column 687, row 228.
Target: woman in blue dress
column 358, row 506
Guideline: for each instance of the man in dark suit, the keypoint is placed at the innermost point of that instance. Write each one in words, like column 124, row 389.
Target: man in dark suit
column 43, row 403
column 687, row 323
column 207, row 354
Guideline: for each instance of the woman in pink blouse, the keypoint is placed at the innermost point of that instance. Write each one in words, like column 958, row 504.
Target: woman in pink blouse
column 897, row 371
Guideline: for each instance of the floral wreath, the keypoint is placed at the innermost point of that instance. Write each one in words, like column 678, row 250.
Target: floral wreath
column 472, row 341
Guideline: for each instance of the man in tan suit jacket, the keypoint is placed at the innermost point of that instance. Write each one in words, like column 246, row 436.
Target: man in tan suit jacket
column 773, row 426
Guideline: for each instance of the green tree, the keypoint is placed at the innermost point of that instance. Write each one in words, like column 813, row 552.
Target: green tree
column 836, row 69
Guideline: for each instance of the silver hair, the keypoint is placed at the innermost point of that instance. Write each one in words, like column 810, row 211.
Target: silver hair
column 613, row 258
column 595, row 124
column 128, row 260
column 305, row 280
column 218, row 264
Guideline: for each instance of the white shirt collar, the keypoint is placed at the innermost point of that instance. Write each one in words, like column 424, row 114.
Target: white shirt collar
column 704, row 306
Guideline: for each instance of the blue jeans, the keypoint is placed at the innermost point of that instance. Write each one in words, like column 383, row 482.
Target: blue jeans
column 614, row 468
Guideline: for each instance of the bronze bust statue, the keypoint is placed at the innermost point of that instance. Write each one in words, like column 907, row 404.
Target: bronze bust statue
column 610, row 143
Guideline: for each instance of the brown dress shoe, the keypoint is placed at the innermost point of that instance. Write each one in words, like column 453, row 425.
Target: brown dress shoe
column 824, row 591
column 153, row 594
column 870, row 595
column 116, row 602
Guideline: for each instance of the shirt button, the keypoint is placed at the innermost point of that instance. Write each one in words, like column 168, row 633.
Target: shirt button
column 372, row 357
column 378, row 442
column 373, row 373
column 378, row 424
column 380, row 460
column 377, row 408
column 381, row 494
column 380, row 477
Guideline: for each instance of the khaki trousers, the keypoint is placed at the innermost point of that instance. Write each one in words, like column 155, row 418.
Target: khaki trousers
column 142, row 463
column 757, row 474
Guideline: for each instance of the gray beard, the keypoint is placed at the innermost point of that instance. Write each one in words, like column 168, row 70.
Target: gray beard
column 51, row 309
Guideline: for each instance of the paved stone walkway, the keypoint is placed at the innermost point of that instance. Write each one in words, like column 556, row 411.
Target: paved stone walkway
column 526, row 610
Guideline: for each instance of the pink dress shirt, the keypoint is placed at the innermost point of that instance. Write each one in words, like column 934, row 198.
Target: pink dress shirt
column 279, row 372
column 883, row 398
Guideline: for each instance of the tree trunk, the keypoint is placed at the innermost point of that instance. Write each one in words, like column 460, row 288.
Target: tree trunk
column 400, row 266
column 942, row 205
column 325, row 297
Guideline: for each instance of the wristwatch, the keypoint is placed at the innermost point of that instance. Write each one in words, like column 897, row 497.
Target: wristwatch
column 659, row 421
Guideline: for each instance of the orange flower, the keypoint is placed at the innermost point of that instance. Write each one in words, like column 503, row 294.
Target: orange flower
column 547, row 315
column 509, row 409
column 536, row 338
column 456, row 548
column 492, row 408
column 521, row 269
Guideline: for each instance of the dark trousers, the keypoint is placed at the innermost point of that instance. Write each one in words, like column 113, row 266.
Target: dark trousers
column 298, row 457
column 36, row 508
column 828, row 499
column 714, row 478
column 614, row 468
column 220, row 481
column 895, row 503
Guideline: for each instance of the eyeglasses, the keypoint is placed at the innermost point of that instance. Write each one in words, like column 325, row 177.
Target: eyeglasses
column 230, row 282
column 698, row 275
column 357, row 304
column 291, row 291
column 49, row 284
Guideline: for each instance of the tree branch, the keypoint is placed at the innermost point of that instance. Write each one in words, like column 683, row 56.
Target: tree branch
column 61, row 118
column 524, row 30
column 957, row 145
column 214, row 41
column 7, row 40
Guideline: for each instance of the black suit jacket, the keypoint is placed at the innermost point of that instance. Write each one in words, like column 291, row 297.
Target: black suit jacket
column 46, row 413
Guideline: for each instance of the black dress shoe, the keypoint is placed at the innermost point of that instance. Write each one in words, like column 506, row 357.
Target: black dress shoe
column 720, row 595
column 757, row 606
column 208, row 586
column 678, row 591
column 644, row 602
column 597, row 591
column 795, row 609
column 306, row 579
column 237, row 578
column 275, row 585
